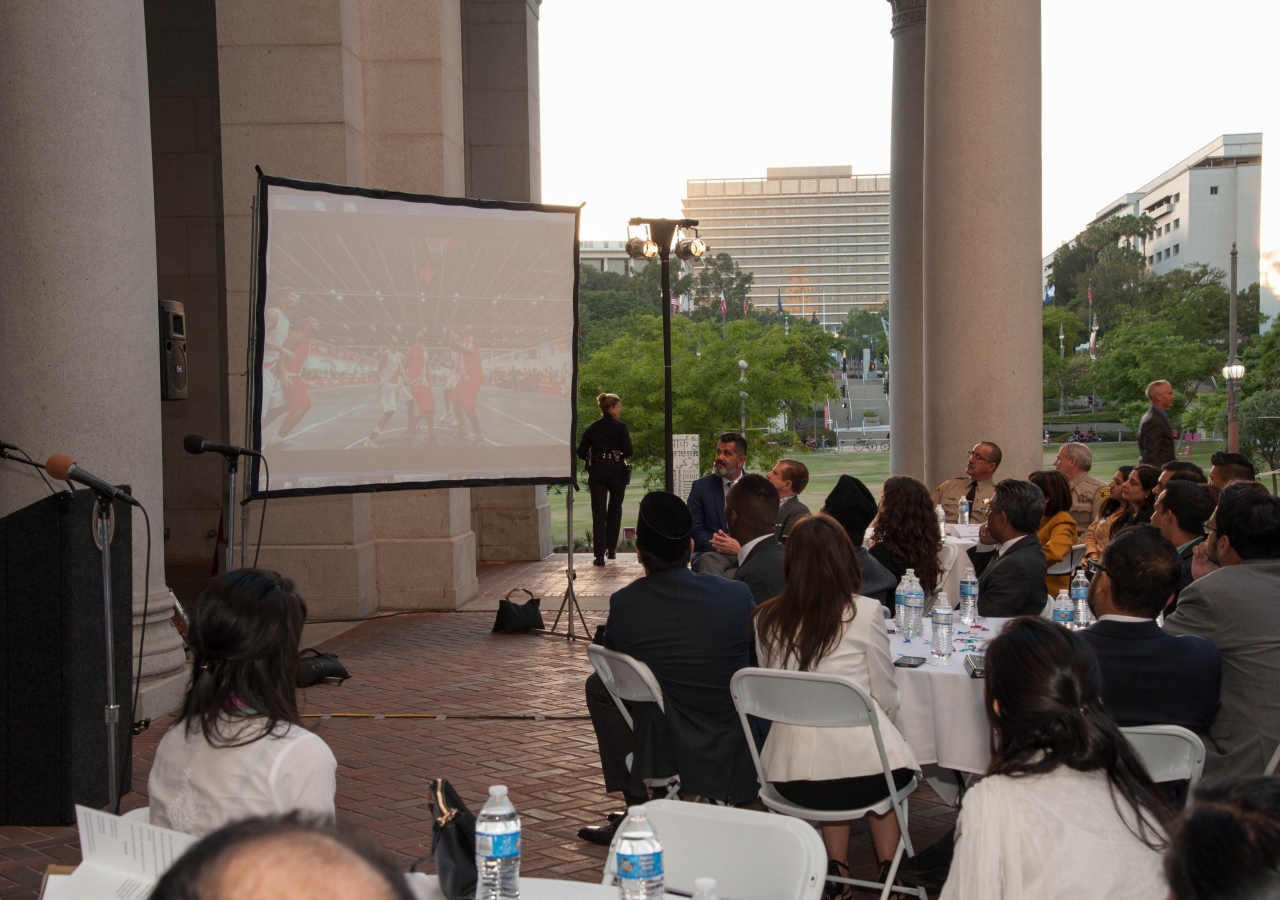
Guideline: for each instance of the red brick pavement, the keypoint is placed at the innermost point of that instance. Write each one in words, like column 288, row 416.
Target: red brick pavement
column 450, row 664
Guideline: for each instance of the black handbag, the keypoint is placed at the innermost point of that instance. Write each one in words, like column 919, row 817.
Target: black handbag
column 453, row 842
column 315, row 669
column 517, row 618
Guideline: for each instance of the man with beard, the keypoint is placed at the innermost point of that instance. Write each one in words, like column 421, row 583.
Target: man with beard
column 712, row 546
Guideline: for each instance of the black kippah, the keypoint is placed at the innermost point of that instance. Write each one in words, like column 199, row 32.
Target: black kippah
column 665, row 523
column 852, row 505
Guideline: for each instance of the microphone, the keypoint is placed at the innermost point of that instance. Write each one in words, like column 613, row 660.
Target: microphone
column 64, row 468
column 194, row 443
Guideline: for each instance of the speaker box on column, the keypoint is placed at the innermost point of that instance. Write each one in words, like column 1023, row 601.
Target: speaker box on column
column 173, row 351
column 53, row 683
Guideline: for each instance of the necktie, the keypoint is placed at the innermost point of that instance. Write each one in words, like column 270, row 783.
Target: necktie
column 973, row 489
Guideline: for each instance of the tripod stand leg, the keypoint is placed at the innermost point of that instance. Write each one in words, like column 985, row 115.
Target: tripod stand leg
column 570, row 601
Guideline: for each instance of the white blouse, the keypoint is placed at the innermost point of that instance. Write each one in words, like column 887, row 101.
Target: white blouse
column 801, row 753
column 1050, row 837
column 196, row 787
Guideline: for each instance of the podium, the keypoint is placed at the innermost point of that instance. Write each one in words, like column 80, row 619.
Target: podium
column 53, row 683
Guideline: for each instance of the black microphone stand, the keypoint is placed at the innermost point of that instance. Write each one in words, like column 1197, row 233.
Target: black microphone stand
column 103, row 521
column 233, row 463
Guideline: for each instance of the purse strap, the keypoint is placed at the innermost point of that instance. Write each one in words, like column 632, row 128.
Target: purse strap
column 507, row 595
column 447, row 815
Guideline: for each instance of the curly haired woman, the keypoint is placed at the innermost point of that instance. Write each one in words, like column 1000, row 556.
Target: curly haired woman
column 905, row 532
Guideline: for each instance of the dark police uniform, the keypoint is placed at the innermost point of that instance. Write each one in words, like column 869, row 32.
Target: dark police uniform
column 605, row 444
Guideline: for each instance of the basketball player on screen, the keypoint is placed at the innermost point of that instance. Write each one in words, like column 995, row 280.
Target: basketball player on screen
column 419, row 378
column 464, row 395
column 390, row 386
column 297, row 400
column 273, row 339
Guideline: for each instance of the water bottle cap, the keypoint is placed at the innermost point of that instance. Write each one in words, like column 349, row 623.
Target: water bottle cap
column 911, row 571
column 498, row 790
column 704, row 885
column 637, row 811
column 942, row 599
column 1062, row 594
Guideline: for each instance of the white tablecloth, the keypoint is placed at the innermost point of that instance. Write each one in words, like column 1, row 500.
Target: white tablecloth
column 952, row 582
column 942, row 715
column 427, row 887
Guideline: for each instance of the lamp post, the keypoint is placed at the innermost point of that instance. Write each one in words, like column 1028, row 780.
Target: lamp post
column 659, row 240
column 1233, row 371
column 742, row 396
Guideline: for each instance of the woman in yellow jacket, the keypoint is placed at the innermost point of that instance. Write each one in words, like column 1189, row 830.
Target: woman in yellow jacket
column 1058, row 528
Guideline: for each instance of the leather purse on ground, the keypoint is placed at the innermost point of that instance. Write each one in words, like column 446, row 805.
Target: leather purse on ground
column 319, row 666
column 453, row 842
column 517, row 618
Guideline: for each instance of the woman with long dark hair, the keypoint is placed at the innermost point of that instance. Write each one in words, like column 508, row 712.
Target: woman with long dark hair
column 906, row 534
column 1227, row 844
column 820, row 623
column 1095, row 536
column 1137, row 504
column 239, row 749
column 1067, row 809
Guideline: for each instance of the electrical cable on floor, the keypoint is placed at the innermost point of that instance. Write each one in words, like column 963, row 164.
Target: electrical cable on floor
column 529, row 717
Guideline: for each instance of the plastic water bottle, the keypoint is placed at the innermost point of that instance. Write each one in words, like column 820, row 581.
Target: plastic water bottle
column 705, row 889
column 915, row 609
column 1064, row 611
column 962, row 511
column 942, row 519
column 899, row 605
column 639, row 858
column 940, row 648
column 1080, row 597
column 968, row 598
column 498, row 848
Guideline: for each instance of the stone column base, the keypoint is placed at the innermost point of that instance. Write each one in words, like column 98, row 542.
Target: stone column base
column 511, row 522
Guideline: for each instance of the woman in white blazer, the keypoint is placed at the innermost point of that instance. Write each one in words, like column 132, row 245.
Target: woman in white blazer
column 819, row 623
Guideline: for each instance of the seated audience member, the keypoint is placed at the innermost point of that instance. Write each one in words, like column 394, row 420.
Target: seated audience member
column 238, row 748
column 820, row 623
column 906, row 535
column 282, row 857
column 790, row 477
column 1180, row 514
column 853, row 506
column 1227, row 845
column 1008, row 560
column 1098, row 532
column 1148, row 677
column 694, row 632
column 1057, row 531
column 1228, row 468
column 1088, row 494
column 752, row 510
column 1235, row 606
column 1138, row 502
column 1067, row 809
column 706, row 503
column 975, row 484
column 1180, row 470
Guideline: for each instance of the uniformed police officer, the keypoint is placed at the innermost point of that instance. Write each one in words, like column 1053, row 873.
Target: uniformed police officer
column 605, row 447
column 1088, row 494
column 975, row 484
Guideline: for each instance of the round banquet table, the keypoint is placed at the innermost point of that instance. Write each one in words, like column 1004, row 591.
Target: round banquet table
column 427, row 887
column 941, row 713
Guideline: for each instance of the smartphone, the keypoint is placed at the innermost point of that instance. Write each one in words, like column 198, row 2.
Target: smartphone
column 909, row 662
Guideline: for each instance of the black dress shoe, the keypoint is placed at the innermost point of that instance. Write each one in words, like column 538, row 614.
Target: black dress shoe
column 598, row 561
column 601, row 835
column 612, row 554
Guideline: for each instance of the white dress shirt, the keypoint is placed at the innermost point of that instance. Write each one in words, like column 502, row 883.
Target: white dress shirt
column 745, row 550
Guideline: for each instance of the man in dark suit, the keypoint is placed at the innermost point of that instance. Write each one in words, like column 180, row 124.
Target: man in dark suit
column 1148, row 677
column 1180, row 514
column 1009, row 560
column 706, row 504
column 790, row 477
column 1155, row 432
column 693, row 632
column 752, row 508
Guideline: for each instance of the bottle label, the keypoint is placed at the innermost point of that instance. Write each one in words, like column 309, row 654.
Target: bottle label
column 498, row 846
column 1080, row 593
column 968, row 590
column 640, row 865
column 1063, row 616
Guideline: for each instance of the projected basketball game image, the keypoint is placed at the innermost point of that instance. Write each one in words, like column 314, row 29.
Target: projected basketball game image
column 414, row 342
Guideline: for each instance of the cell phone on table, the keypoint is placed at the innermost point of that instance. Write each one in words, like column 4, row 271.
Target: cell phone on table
column 909, row 662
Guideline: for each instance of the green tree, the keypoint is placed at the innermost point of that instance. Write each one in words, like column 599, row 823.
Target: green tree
column 1260, row 431
column 721, row 274
column 864, row 330
column 1102, row 259
column 647, row 281
column 592, row 279
column 783, row 370
column 1140, row 351
column 603, row 315
column 1195, row 302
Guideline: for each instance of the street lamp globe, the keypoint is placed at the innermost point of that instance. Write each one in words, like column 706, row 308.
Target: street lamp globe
column 1233, row 371
column 742, row 364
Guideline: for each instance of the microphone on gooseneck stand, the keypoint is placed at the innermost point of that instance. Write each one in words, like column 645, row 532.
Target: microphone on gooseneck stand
column 194, row 443
column 64, row 468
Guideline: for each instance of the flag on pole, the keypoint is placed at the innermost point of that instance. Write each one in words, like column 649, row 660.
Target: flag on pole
column 779, row 300
column 744, row 306
column 724, row 310
column 1091, row 295
column 1048, row 295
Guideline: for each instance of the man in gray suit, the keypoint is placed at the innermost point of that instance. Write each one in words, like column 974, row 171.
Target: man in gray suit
column 1155, row 432
column 790, row 477
column 1237, row 606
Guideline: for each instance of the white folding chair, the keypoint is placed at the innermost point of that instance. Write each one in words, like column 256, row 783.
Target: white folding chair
column 751, row 855
column 821, row 701
column 1170, row 752
column 1047, row 612
column 626, row 678
column 1068, row 563
column 1275, row 760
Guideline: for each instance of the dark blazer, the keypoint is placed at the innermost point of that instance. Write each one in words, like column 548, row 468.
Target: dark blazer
column 1013, row 584
column 1186, row 555
column 762, row 571
column 878, row 583
column 1155, row 438
column 1153, row 678
column 790, row 513
column 706, row 502
column 694, row 632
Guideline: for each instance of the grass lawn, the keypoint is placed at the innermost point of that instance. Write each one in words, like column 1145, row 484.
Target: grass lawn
column 826, row 467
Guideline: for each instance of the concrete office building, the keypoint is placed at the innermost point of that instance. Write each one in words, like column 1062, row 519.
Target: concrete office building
column 607, row 256
column 819, row 236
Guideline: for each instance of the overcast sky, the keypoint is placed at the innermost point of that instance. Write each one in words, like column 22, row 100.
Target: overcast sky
column 639, row 97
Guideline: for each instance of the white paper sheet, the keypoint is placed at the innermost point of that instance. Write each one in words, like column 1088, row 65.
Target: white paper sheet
column 122, row 858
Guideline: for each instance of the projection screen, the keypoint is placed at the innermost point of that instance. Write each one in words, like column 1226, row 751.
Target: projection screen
column 409, row 341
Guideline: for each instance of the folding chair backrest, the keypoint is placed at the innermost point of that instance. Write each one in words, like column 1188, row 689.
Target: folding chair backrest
column 801, row 698
column 1068, row 563
column 751, row 855
column 1047, row 612
column 1170, row 752
column 625, row 676
column 947, row 557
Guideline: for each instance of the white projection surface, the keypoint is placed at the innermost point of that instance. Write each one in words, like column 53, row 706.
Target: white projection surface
column 410, row 342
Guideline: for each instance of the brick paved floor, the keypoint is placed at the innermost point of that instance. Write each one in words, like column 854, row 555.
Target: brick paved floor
column 451, row 664
column 547, row 579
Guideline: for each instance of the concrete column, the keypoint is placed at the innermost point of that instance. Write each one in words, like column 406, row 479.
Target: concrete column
column 79, row 352
column 982, row 180
column 906, row 239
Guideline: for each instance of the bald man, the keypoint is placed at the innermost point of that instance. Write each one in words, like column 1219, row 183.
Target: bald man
column 1155, row 431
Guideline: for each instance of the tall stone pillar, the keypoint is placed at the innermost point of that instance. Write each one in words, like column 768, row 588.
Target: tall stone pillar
column 79, row 353
column 982, row 182
column 504, row 162
column 906, row 239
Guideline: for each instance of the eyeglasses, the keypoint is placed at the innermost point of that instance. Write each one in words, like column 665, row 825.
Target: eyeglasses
column 1208, row 526
column 1094, row 566
column 979, row 458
